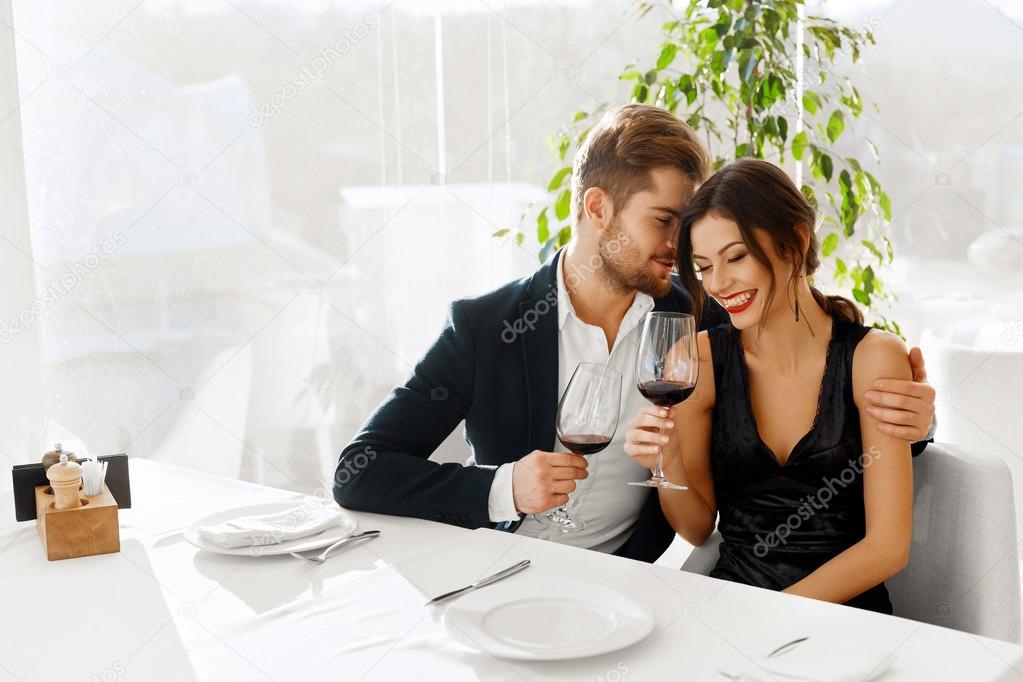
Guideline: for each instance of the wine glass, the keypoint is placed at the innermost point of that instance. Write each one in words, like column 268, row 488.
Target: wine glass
column 587, row 421
column 667, row 366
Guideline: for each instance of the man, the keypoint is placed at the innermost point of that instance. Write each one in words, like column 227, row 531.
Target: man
column 504, row 358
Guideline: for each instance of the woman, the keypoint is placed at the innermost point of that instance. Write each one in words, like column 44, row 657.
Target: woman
column 777, row 439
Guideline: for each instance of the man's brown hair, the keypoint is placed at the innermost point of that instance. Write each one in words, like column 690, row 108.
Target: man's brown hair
column 628, row 143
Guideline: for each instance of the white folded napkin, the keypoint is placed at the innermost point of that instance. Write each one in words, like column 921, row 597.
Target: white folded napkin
column 271, row 529
column 830, row 661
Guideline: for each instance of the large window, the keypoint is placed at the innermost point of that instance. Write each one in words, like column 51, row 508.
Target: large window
column 250, row 216
column 246, row 219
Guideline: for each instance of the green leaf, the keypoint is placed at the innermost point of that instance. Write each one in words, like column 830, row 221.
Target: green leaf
column 667, row 55
column 651, row 77
column 868, row 280
column 720, row 61
column 640, row 92
column 873, row 150
column 829, row 245
column 886, row 206
column 708, row 37
column 836, row 124
column 809, row 194
column 823, row 165
column 579, row 115
column 564, row 234
column 873, row 249
column 520, row 237
column 747, row 63
column 783, row 128
column 543, row 233
column 853, row 101
column 558, row 178
column 799, row 143
column 563, row 147
column 501, row 233
column 562, row 207
column 841, row 271
column 860, row 296
column 845, row 181
column 811, row 102
column 685, row 85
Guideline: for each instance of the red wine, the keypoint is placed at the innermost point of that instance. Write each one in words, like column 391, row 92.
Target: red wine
column 582, row 444
column 666, row 393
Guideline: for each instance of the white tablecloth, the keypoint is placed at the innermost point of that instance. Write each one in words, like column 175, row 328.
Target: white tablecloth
column 163, row 610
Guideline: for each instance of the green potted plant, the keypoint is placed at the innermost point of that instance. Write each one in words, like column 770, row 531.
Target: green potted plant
column 735, row 71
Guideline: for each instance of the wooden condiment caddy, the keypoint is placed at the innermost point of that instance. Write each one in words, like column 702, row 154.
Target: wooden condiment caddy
column 70, row 523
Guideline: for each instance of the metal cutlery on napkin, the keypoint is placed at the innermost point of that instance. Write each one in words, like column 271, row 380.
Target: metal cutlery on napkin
column 322, row 556
column 482, row 582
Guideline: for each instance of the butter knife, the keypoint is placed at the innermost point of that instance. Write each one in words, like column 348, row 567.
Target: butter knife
column 482, row 582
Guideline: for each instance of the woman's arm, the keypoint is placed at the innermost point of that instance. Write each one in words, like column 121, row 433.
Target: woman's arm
column 887, row 487
column 686, row 454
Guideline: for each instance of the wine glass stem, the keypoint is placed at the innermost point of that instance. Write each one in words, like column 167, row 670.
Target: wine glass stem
column 658, row 472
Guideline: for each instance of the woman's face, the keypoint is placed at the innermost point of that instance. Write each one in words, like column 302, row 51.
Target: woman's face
column 732, row 275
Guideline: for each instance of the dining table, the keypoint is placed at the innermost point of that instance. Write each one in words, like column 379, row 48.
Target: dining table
column 163, row 609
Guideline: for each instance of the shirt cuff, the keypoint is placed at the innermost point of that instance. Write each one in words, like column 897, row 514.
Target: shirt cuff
column 501, row 503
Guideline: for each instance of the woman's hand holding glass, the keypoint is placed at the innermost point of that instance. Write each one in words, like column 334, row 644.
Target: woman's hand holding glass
column 651, row 429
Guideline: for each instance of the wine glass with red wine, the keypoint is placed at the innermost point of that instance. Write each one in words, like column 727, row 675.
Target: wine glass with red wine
column 667, row 366
column 587, row 421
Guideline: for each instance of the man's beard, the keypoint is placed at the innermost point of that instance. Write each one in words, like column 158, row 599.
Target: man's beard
column 623, row 265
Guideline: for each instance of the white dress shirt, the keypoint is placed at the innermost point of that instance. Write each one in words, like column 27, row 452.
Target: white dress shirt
column 607, row 506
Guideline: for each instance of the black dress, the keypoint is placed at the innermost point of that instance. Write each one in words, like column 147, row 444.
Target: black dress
column 780, row 523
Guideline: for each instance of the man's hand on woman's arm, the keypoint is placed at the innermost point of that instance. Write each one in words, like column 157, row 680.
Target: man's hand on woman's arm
column 904, row 408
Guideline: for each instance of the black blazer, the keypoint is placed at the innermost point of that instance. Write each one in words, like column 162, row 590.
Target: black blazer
column 495, row 365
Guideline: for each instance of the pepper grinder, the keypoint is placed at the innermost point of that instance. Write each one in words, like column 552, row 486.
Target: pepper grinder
column 51, row 458
column 65, row 479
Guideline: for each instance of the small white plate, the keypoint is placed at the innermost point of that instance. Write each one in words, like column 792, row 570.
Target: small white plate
column 537, row 620
column 347, row 524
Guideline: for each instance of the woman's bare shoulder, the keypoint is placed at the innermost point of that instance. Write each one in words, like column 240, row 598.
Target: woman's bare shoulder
column 879, row 355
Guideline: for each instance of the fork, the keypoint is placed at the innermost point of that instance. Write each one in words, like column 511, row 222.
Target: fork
column 322, row 556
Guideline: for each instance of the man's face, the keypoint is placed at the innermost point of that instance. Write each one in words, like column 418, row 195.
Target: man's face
column 638, row 247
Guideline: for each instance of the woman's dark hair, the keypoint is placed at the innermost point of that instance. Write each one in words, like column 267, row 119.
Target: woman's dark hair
column 758, row 194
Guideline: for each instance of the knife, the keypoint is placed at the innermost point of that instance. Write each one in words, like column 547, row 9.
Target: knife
column 482, row 582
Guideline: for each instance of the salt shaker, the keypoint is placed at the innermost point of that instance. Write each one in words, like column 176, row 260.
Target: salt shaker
column 65, row 479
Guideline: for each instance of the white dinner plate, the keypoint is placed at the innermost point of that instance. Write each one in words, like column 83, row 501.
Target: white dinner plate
column 535, row 620
column 346, row 525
